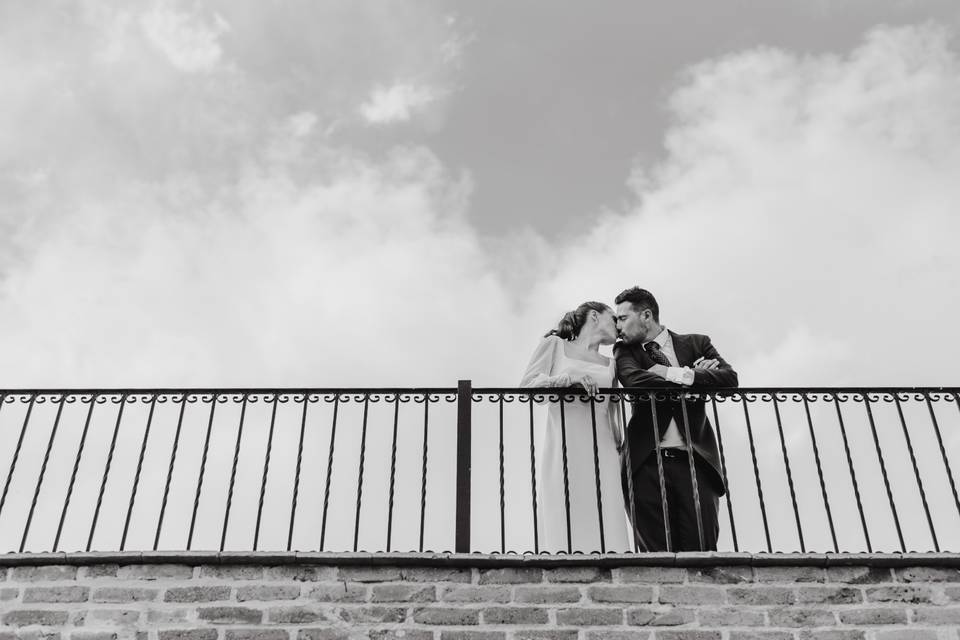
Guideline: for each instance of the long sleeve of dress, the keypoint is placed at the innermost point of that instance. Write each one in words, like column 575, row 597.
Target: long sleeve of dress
column 614, row 418
column 539, row 371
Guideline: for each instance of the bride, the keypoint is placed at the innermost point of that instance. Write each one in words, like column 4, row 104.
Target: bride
column 568, row 356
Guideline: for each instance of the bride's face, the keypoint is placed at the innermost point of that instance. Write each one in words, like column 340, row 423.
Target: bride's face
column 608, row 327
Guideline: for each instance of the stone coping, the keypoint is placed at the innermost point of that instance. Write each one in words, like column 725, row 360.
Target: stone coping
column 687, row 559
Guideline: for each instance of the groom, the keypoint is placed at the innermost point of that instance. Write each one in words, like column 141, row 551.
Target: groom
column 649, row 355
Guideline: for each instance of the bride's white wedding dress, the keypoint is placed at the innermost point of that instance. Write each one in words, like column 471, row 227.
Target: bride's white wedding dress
column 547, row 366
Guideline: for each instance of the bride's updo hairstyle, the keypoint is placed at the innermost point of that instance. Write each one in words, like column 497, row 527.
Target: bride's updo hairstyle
column 572, row 321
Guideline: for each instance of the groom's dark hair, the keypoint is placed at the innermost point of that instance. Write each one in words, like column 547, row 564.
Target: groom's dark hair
column 640, row 299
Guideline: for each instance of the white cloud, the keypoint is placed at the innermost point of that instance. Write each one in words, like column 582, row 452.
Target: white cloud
column 332, row 282
column 185, row 228
column 800, row 355
column 301, row 124
column 189, row 42
column 397, row 103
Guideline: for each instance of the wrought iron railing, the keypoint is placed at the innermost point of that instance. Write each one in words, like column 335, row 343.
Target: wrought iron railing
column 451, row 469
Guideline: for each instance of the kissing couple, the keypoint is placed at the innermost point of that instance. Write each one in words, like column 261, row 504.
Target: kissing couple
column 587, row 458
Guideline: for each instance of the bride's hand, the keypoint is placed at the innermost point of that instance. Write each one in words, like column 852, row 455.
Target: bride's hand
column 562, row 380
column 588, row 383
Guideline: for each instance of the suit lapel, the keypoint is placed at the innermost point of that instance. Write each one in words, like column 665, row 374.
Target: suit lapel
column 682, row 348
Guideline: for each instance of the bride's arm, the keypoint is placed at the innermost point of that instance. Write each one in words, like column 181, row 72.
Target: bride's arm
column 613, row 411
column 538, row 373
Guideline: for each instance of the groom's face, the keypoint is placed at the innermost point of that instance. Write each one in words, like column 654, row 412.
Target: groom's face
column 633, row 325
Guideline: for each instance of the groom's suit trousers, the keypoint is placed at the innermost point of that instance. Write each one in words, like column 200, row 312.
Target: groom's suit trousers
column 651, row 527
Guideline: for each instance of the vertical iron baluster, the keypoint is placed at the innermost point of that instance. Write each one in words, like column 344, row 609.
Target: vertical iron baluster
column 723, row 469
column 464, row 463
column 883, row 470
column 16, row 452
column 363, row 452
column 106, row 470
column 503, row 504
column 393, row 468
column 566, row 476
column 596, row 468
column 136, row 478
column 173, row 459
column 943, row 451
column 786, row 464
column 853, row 475
column 628, row 465
column 533, row 479
column 233, row 473
column 423, row 473
column 664, row 503
column 756, row 472
column 823, row 484
column 693, row 470
column 916, row 472
column 326, row 491
column 266, row 469
column 73, row 474
column 296, row 476
column 203, row 467
column 43, row 470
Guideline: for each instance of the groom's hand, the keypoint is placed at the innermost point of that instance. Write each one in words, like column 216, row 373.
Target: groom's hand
column 706, row 363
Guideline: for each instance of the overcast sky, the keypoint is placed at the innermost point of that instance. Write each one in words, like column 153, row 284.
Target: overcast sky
column 361, row 193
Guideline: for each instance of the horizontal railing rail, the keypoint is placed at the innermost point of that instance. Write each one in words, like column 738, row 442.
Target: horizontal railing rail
column 462, row 469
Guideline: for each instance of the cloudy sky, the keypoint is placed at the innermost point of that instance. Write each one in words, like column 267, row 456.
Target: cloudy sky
column 369, row 193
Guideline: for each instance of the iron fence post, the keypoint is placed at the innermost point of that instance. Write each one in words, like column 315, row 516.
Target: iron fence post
column 464, row 408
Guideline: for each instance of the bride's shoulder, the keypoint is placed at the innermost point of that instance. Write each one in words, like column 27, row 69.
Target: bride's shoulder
column 551, row 340
column 548, row 343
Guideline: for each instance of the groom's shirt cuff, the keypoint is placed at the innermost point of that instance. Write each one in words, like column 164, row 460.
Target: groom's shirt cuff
column 680, row 375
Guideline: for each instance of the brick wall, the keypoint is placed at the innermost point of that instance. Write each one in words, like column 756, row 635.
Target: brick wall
column 297, row 597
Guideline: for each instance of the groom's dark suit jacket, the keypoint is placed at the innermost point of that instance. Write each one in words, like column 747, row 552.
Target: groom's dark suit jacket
column 632, row 365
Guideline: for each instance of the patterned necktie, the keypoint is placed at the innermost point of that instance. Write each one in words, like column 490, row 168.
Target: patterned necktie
column 653, row 350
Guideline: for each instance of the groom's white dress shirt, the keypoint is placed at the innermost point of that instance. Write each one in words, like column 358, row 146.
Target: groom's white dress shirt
column 676, row 374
